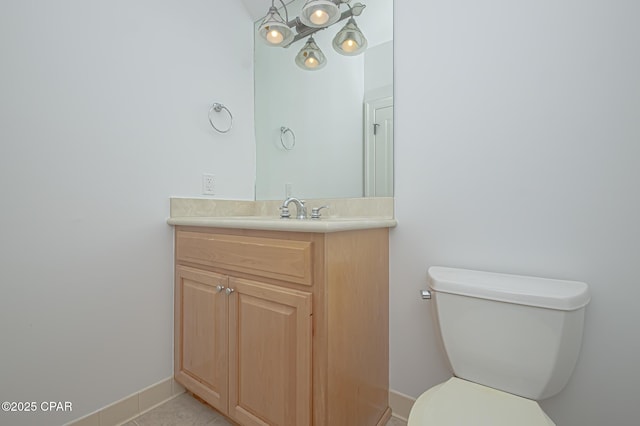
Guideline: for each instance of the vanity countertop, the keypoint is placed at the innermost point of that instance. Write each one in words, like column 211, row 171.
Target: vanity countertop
column 324, row 225
column 345, row 215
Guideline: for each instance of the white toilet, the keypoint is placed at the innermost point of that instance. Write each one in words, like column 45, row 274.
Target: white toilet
column 510, row 340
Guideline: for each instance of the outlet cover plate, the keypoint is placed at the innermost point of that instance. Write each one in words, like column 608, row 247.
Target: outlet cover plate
column 208, row 184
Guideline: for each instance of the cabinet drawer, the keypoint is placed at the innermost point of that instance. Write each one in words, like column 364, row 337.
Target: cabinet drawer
column 269, row 257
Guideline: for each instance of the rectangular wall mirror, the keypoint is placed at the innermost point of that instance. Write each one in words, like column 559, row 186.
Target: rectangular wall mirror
column 326, row 133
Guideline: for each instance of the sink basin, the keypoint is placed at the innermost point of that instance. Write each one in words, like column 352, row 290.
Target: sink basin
column 278, row 218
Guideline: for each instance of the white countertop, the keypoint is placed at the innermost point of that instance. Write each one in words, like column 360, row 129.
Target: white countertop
column 273, row 223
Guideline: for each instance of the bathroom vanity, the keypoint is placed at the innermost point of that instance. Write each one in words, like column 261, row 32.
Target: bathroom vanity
column 284, row 327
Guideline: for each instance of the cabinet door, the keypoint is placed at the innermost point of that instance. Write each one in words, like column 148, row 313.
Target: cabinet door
column 201, row 334
column 269, row 354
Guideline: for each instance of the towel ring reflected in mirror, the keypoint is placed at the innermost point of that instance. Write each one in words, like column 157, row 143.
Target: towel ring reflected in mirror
column 291, row 145
column 218, row 107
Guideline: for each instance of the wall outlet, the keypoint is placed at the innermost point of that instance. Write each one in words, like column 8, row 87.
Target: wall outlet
column 208, row 184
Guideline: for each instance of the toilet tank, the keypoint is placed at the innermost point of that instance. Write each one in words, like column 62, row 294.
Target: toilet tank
column 514, row 333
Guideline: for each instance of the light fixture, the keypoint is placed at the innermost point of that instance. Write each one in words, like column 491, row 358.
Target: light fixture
column 274, row 30
column 350, row 41
column 310, row 56
column 315, row 16
column 320, row 13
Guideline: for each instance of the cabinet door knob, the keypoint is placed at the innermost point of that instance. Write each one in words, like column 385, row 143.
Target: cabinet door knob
column 229, row 291
column 219, row 288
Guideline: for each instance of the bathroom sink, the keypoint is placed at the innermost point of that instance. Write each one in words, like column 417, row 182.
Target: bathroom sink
column 278, row 218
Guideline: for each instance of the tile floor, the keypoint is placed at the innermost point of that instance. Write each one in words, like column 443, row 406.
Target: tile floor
column 184, row 410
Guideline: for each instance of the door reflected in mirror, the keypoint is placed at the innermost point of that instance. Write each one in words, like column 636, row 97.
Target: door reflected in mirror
column 339, row 119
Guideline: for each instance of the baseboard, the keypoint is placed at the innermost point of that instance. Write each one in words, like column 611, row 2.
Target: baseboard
column 132, row 406
column 400, row 404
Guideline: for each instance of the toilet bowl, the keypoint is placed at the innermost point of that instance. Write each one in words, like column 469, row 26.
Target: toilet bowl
column 510, row 340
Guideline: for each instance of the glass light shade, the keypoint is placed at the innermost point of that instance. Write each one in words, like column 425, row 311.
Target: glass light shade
column 274, row 30
column 349, row 40
column 319, row 13
column 310, row 57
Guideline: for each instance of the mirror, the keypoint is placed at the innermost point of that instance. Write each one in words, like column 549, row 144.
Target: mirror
column 326, row 133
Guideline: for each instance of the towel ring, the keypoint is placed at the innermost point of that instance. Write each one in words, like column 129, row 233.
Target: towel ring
column 218, row 108
column 284, row 130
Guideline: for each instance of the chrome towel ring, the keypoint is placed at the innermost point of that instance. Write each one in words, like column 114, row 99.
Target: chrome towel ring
column 217, row 107
column 284, row 130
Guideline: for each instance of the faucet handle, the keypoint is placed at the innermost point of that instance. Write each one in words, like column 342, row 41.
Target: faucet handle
column 315, row 212
column 284, row 214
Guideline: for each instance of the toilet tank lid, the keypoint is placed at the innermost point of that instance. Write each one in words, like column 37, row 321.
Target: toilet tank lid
column 532, row 291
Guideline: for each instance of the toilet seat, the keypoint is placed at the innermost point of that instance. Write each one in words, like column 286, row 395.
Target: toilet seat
column 458, row 402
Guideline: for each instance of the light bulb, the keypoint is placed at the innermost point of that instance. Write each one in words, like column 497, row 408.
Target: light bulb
column 319, row 17
column 274, row 37
column 349, row 45
column 311, row 62
column 310, row 57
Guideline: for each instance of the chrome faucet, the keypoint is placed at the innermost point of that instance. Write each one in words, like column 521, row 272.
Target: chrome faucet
column 301, row 210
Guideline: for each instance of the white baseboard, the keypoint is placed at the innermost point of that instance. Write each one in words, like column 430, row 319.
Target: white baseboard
column 400, row 404
column 147, row 399
column 132, row 406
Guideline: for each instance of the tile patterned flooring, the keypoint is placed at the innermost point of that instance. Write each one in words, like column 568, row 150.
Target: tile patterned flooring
column 184, row 410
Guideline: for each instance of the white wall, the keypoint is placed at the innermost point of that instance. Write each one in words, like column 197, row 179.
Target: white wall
column 378, row 69
column 517, row 150
column 103, row 113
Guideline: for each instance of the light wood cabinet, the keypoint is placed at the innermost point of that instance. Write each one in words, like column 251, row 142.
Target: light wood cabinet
column 284, row 328
column 202, row 334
